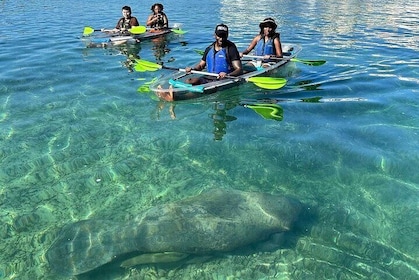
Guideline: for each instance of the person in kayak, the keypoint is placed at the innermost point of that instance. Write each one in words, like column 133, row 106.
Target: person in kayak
column 158, row 19
column 221, row 57
column 124, row 23
column 267, row 43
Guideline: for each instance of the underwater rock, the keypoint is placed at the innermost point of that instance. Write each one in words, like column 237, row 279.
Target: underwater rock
column 214, row 221
column 23, row 222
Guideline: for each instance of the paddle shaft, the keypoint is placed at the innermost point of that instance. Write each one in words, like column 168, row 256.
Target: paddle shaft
column 173, row 29
column 197, row 72
column 133, row 30
column 264, row 57
column 308, row 62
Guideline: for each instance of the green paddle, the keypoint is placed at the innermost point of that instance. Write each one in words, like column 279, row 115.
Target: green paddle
column 89, row 30
column 309, row 62
column 268, row 82
column 200, row 52
column 137, row 29
column 134, row 30
column 262, row 82
column 305, row 61
column 178, row 31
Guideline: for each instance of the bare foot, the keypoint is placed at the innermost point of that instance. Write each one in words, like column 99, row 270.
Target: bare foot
column 165, row 95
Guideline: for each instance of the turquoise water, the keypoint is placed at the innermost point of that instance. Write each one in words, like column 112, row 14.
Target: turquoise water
column 79, row 141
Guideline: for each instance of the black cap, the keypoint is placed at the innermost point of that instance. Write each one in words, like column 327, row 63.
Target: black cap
column 221, row 31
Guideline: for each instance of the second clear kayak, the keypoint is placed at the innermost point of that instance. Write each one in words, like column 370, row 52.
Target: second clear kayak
column 149, row 34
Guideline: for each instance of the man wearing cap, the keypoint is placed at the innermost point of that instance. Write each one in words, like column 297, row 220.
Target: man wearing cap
column 221, row 57
column 267, row 42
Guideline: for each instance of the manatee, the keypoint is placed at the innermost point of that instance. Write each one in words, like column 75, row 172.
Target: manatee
column 214, row 221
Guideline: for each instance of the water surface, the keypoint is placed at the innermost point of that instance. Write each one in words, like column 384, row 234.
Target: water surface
column 79, row 141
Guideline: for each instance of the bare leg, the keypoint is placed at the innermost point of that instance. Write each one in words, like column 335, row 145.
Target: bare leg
column 172, row 111
column 194, row 81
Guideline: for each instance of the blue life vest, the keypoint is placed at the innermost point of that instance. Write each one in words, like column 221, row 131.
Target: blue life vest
column 217, row 61
column 265, row 48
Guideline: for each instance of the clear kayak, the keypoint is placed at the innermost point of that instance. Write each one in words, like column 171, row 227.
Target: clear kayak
column 175, row 87
column 106, row 38
column 149, row 34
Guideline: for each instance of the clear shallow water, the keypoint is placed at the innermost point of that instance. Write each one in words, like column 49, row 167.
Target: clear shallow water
column 78, row 141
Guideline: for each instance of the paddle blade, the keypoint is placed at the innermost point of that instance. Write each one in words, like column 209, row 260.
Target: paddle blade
column 139, row 68
column 88, row 30
column 269, row 86
column 268, row 82
column 138, row 29
column 146, row 86
column 268, row 111
column 309, row 62
column 144, row 68
column 200, row 52
column 178, row 31
column 144, row 65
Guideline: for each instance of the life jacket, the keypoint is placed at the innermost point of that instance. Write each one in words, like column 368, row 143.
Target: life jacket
column 124, row 23
column 160, row 22
column 218, row 61
column 265, row 48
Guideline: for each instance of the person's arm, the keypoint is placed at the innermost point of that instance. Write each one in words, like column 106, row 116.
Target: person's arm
column 235, row 60
column 150, row 20
column 199, row 67
column 278, row 47
column 238, row 69
column 134, row 21
column 118, row 24
column 251, row 46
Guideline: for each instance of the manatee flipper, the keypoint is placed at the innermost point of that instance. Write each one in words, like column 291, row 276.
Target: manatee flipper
column 165, row 257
